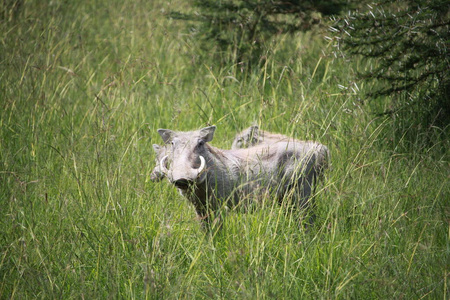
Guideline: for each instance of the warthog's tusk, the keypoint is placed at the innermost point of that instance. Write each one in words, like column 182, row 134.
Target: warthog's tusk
column 162, row 165
column 202, row 164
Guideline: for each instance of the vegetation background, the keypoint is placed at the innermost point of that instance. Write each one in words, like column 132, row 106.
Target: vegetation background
column 85, row 84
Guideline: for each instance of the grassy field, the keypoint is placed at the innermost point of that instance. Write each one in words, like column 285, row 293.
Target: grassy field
column 85, row 84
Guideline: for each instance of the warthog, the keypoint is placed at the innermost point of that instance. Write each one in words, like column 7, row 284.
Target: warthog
column 254, row 136
column 211, row 178
column 247, row 138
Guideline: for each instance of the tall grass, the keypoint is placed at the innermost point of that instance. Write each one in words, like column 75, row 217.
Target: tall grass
column 85, row 85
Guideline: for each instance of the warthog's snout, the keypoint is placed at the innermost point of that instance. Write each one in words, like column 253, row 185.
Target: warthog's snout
column 183, row 184
column 185, row 177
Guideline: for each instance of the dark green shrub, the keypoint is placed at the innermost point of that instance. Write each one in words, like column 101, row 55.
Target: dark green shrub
column 409, row 43
column 237, row 32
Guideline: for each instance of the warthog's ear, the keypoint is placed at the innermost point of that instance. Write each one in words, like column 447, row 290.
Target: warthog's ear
column 156, row 148
column 207, row 133
column 166, row 135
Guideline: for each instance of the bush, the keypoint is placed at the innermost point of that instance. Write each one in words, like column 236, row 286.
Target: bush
column 240, row 30
column 409, row 42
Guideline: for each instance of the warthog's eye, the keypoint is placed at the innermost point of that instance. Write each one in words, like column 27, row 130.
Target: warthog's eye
column 200, row 143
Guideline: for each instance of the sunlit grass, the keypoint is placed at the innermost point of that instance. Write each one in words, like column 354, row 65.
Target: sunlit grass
column 84, row 88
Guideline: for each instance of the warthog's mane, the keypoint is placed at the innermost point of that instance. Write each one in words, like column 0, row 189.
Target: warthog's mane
column 218, row 153
column 257, row 152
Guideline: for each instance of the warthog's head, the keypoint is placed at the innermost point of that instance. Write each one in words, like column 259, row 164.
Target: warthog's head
column 185, row 165
column 247, row 138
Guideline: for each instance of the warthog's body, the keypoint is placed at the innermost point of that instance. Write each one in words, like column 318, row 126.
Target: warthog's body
column 210, row 177
column 254, row 136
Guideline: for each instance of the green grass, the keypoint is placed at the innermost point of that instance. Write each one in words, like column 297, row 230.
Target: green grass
column 84, row 88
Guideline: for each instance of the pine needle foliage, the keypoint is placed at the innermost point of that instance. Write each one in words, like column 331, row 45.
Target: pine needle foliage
column 409, row 40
